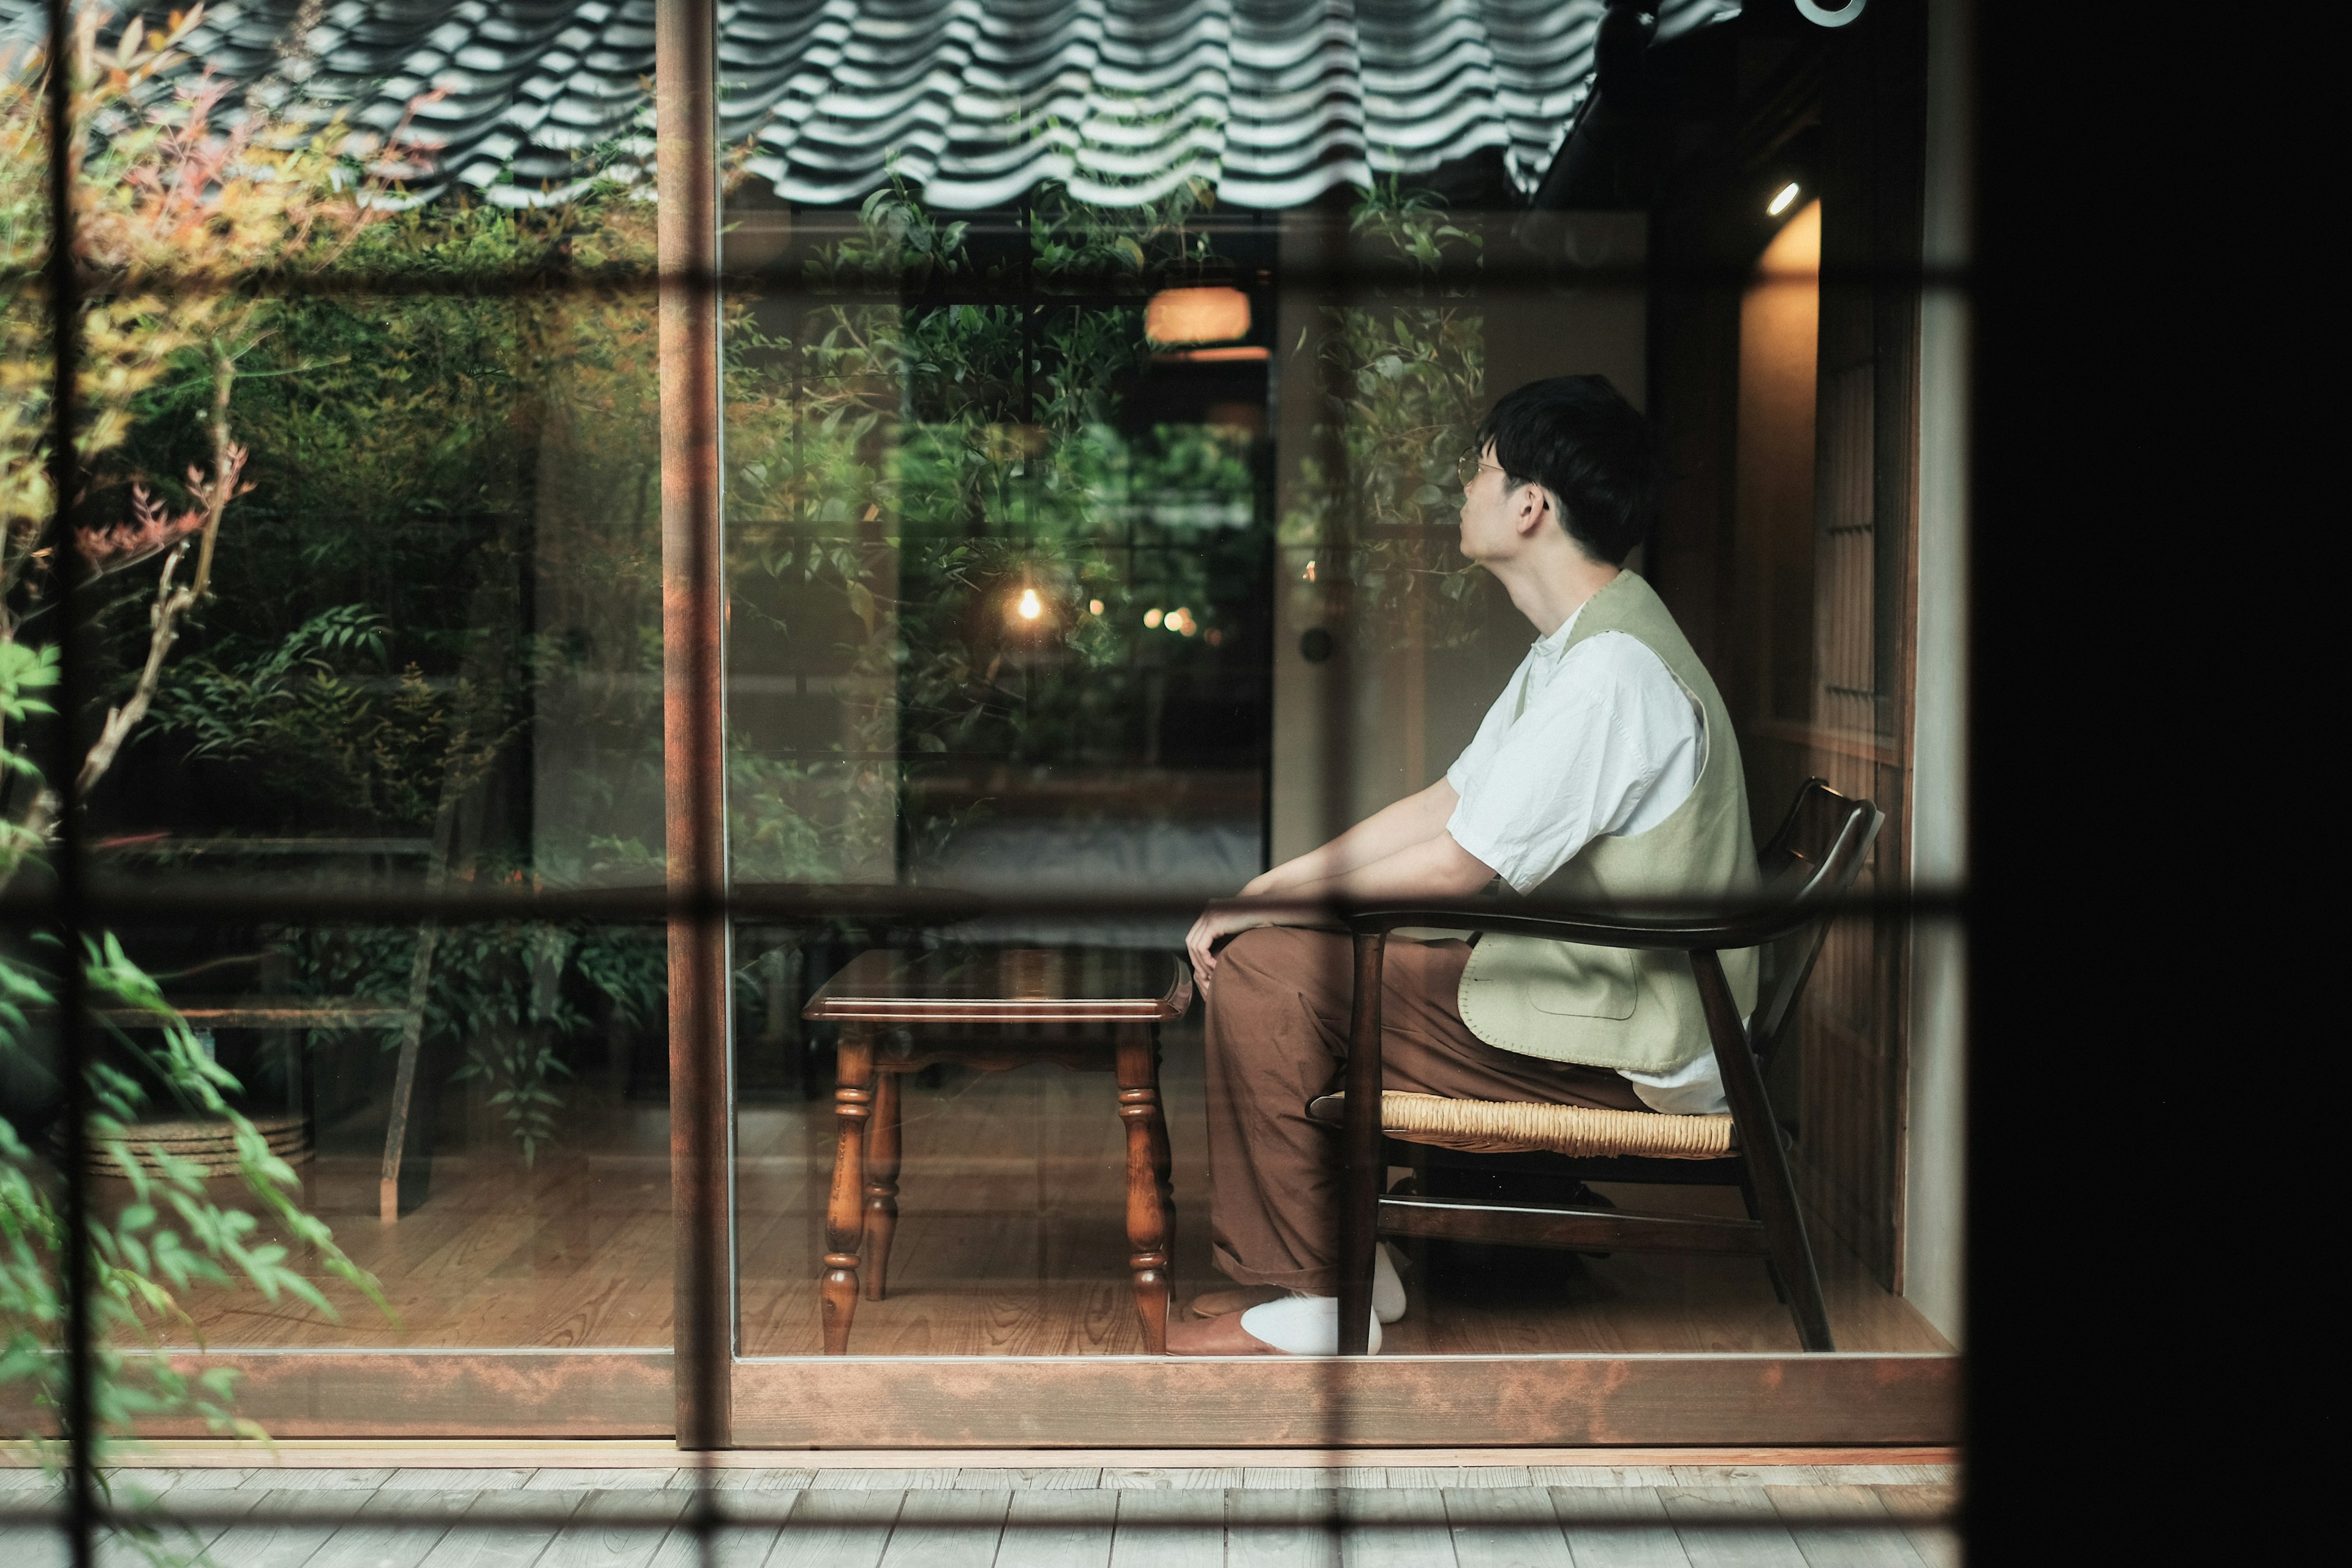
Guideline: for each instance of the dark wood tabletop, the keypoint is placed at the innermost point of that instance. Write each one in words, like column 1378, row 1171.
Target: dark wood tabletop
column 259, row 1013
column 1008, row 985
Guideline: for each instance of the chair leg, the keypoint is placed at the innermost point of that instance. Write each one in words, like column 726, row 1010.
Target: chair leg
column 1147, row 1216
column 881, row 1184
column 1767, row 1162
column 1791, row 1253
column 852, row 1104
column 1771, row 1269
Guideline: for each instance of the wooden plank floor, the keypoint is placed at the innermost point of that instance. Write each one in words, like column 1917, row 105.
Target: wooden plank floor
column 1838, row 1516
column 1011, row 1241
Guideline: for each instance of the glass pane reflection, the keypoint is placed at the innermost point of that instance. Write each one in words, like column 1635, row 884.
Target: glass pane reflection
column 1021, row 597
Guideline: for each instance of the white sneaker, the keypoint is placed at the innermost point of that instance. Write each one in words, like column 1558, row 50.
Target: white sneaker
column 1387, row 1291
column 1302, row 1325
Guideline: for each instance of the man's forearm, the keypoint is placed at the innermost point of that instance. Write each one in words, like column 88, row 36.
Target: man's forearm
column 1436, row 867
column 1398, row 827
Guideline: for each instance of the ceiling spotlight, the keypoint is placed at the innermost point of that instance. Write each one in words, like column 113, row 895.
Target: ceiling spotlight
column 1780, row 203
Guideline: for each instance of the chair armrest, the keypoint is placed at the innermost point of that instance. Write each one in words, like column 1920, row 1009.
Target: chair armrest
column 1714, row 928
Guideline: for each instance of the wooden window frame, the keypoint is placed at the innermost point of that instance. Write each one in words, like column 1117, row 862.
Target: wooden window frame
column 707, row 1397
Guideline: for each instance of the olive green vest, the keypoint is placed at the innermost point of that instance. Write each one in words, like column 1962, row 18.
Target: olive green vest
column 1618, row 1007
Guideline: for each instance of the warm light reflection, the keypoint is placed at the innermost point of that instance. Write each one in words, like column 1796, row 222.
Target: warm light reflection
column 1151, row 616
column 1795, row 256
column 1094, row 606
column 1780, row 203
column 1310, row 571
column 1213, row 356
column 1197, row 316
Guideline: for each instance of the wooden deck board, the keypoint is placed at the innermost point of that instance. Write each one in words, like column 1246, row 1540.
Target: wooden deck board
column 1047, row 1517
column 1505, row 1527
column 595, row 1537
column 1581, row 1511
column 1060, row 1530
column 1285, row 1528
column 1169, row 1528
column 948, row 1529
column 834, row 1529
column 1762, row 1542
column 1882, row 1546
column 1394, row 1527
column 501, row 1542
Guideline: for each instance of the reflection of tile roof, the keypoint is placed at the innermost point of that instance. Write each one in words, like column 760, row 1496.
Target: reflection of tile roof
column 1276, row 100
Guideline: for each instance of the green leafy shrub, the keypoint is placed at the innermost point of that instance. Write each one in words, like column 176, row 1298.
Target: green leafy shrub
column 162, row 191
column 1404, row 380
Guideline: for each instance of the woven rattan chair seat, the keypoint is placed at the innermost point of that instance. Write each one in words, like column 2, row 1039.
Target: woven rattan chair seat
column 1515, row 1127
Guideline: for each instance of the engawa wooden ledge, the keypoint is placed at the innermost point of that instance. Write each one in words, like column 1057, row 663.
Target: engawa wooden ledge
column 1841, row 1398
column 1794, row 1398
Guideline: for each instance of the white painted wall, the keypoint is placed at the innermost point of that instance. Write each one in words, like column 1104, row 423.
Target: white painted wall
column 1935, row 1185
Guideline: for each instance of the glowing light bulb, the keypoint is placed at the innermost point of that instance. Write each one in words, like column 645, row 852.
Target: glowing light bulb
column 1780, row 203
column 1030, row 608
column 1151, row 618
column 1094, row 606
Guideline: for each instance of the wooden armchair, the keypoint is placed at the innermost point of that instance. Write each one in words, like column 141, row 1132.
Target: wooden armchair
column 1811, row 860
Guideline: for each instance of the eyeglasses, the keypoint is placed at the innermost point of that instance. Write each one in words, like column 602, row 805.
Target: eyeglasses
column 1469, row 465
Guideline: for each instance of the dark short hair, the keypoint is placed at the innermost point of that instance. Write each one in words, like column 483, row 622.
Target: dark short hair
column 1578, row 437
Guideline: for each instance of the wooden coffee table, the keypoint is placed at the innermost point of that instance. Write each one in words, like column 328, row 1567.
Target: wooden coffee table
column 993, row 1009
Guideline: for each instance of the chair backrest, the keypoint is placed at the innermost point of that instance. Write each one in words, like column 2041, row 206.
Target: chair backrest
column 1814, row 857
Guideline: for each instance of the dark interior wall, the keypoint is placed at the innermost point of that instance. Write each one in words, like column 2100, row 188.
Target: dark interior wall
column 1813, row 655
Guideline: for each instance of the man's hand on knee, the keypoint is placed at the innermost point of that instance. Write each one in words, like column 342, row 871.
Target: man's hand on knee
column 1217, row 922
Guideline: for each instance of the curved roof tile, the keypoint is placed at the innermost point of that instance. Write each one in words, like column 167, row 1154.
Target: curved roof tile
column 1274, row 100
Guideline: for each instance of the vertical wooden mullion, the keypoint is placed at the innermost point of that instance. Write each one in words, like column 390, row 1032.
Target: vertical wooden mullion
column 694, row 773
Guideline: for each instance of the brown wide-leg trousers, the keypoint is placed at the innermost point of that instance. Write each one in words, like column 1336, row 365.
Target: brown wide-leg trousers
column 1277, row 1036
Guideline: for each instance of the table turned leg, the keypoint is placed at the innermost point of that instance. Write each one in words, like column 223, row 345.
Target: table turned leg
column 1147, row 1209
column 881, row 1183
column 1163, row 1161
column 853, row 1105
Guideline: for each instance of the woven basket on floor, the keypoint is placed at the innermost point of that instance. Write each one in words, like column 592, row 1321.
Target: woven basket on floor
column 208, row 1144
column 1516, row 1127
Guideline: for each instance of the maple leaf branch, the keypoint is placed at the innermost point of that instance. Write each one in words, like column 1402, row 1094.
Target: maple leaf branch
column 164, row 621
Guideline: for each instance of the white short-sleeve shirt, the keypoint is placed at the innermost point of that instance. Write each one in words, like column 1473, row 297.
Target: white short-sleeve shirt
column 1587, row 742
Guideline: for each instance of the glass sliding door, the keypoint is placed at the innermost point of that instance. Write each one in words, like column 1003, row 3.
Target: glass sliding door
column 1033, row 651
column 351, row 610
column 1089, row 541
column 999, row 546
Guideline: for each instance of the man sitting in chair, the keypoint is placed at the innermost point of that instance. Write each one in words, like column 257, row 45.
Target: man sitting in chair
column 1605, row 770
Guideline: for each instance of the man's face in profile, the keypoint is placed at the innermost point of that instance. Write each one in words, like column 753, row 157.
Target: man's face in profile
column 1489, row 506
